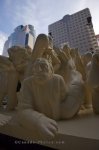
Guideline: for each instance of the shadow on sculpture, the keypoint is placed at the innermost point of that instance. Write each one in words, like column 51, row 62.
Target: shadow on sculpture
column 8, row 82
column 93, row 81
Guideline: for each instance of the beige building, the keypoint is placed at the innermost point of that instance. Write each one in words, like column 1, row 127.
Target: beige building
column 75, row 30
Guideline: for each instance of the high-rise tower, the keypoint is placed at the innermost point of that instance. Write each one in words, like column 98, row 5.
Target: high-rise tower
column 22, row 36
column 75, row 30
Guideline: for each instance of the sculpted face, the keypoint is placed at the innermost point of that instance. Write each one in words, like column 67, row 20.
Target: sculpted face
column 42, row 68
column 19, row 57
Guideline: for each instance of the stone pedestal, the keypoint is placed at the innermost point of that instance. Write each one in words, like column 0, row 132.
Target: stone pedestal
column 80, row 133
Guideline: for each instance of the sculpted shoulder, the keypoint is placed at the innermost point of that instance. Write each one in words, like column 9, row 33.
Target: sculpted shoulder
column 58, row 77
column 28, row 80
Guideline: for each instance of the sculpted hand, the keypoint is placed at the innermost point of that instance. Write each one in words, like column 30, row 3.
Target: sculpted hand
column 47, row 126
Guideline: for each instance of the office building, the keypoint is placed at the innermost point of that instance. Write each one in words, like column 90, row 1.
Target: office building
column 76, row 30
column 22, row 36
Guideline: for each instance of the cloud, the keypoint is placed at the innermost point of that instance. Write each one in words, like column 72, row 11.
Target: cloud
column 38, row 13
column 3, row 38
column 44, row 12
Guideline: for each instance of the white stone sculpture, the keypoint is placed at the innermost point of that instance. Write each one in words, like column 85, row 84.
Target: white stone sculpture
column 78, row 62
column 44, row 98
column 81, row 67
column 86, row 59
column 93, row 81
column 8, row 82
column 20, row 58
column 12, row 71
column 43, row 48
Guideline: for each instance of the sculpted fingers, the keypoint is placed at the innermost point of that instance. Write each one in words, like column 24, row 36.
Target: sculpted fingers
column 53, row 129
column 53, row 122
column 48, row 126
column 49, row 133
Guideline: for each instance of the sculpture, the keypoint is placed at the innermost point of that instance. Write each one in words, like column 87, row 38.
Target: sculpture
column 86, row 59
column 82, row 69
column 8, row 82
column 20, row 58
column 78, row 62
column 68, row 71
column 21, row 61
column 12, row 71
column 67, row 68
column 44, row 97
column 53, row 88
column 93, row 81
column 43, row 48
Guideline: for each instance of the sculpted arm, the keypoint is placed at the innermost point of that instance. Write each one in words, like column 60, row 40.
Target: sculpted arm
column 55, row 61
column 63, row 89
column 73, row 99
column 33, row 120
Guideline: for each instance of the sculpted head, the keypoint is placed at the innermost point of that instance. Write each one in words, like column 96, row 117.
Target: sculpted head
column 5, row 63
column 19, row 56
column 42, row 69
column 66, row 50
column 41, row 42
column 42, row 45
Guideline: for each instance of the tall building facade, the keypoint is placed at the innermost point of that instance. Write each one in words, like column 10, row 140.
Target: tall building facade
column 22, row 36
column 76, row 30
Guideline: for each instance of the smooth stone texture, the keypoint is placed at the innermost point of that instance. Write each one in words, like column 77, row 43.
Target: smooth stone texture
column 80, row 132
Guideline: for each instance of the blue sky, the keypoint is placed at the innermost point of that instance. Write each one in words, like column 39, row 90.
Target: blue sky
column 40, row 13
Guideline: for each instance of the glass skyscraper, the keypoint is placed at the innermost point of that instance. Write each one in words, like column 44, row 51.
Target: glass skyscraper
column 22, row 36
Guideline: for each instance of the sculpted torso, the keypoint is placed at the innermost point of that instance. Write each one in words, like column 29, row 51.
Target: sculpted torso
column 45, row 93
column 93, row 81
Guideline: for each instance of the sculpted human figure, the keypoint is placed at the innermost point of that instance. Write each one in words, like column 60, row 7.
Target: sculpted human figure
column 8, row 82
column 82, row 69
column 12, row 71
column 66, row 49
column 78, row 62
column 68, row 68
column 93, row 81
column 20, row 58
column 44, row 98
column 86, row 59
column 43, row 48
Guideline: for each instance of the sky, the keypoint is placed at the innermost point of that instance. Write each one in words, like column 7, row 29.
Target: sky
column 41, row 13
